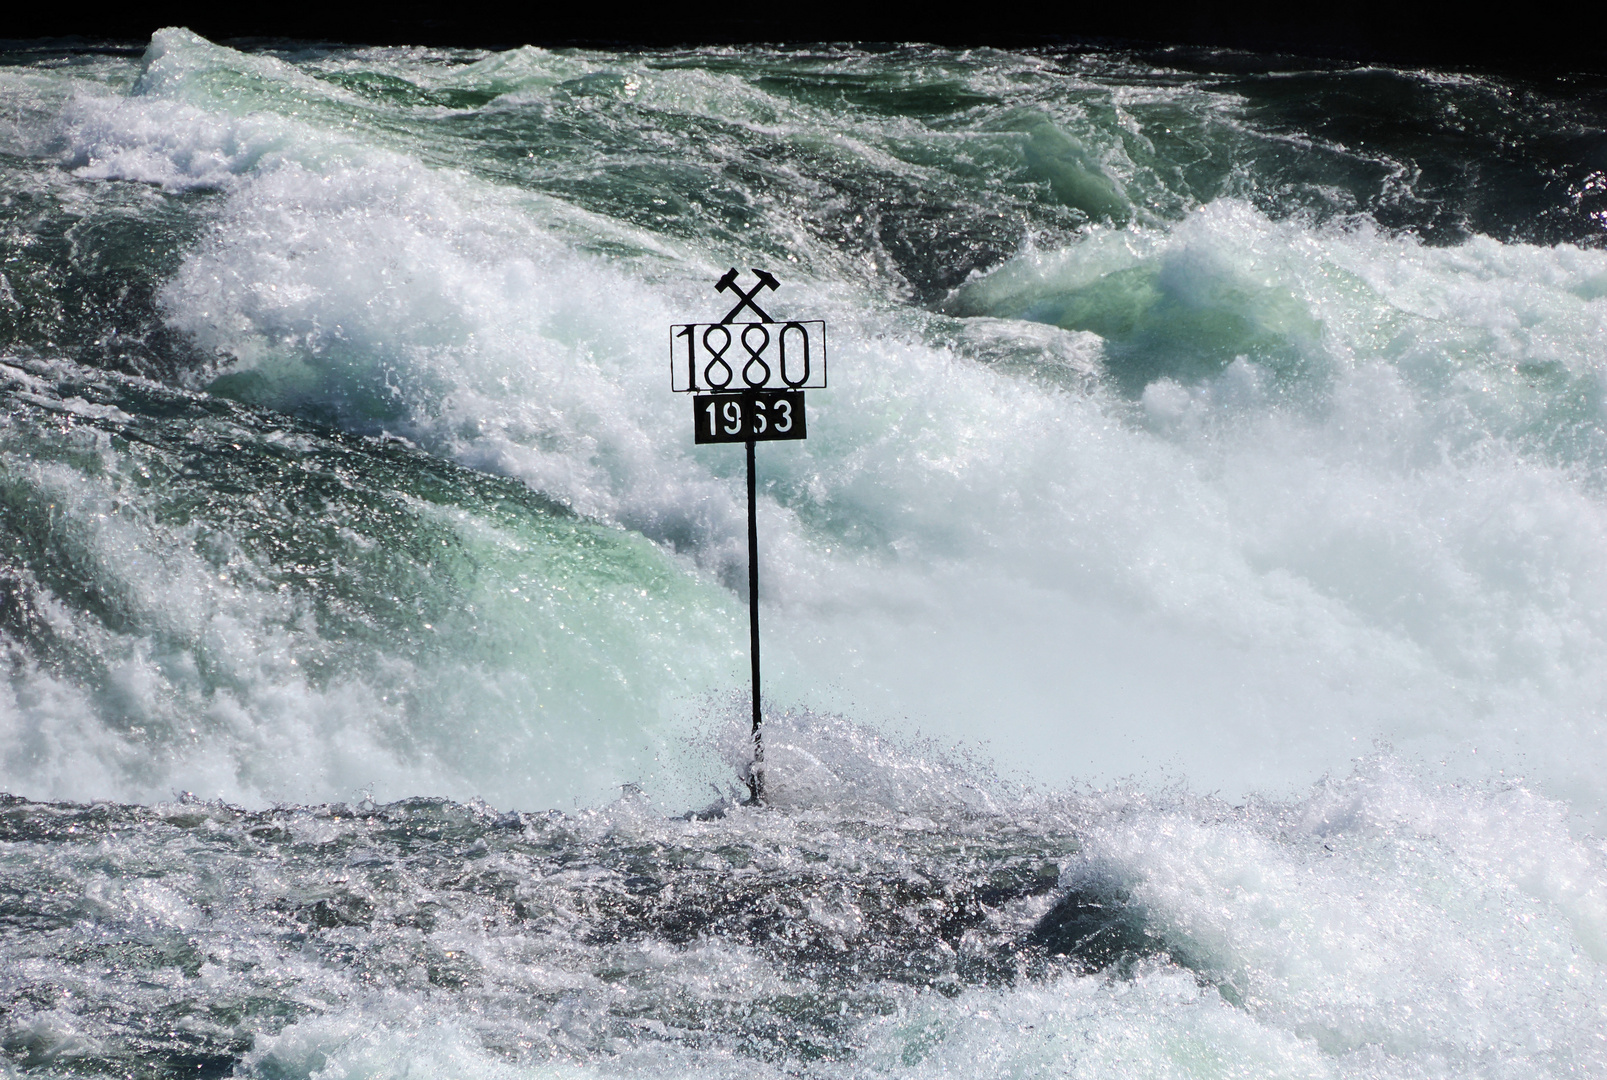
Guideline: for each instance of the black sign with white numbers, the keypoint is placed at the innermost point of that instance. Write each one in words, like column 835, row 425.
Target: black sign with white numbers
column 760, row 415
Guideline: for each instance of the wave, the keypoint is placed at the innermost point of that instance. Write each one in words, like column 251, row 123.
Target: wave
column 1186, row 482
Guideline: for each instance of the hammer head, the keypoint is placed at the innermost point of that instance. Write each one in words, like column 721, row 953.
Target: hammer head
column 766, row 280
column 727, row 281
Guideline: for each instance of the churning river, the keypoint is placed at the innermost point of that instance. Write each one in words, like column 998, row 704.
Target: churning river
column 1185, row 624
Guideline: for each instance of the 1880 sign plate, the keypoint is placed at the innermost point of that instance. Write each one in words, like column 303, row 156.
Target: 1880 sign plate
column 727, row 357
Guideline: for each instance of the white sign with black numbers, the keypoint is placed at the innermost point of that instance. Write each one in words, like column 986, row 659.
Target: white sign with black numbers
column 726, row 357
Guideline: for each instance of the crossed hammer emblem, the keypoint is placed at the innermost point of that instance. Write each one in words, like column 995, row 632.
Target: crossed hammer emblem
column 729, row 281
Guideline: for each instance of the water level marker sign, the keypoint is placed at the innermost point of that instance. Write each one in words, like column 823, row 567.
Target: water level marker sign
column 747, row 381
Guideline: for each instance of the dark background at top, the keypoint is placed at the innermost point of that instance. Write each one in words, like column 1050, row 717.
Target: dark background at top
column 1539, row 38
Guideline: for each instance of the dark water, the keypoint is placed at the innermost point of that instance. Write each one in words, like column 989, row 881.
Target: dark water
column 291, row 911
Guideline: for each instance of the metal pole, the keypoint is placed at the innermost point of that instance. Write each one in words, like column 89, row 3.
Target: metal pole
column 756, row 774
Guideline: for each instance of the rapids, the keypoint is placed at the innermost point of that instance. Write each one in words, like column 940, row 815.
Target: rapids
column 1185, row 625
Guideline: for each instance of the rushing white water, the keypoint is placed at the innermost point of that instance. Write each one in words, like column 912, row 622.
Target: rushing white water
column 1356, row 496
column 1165, row 451
column 1378, row 928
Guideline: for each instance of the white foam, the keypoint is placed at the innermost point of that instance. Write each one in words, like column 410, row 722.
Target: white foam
column 1384, row 523
column 1382, row 921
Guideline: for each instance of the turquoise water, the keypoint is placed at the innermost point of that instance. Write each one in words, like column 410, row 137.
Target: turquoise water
column 1184, row 623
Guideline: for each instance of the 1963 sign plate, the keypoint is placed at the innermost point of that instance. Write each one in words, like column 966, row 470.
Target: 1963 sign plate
column 760, row 415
